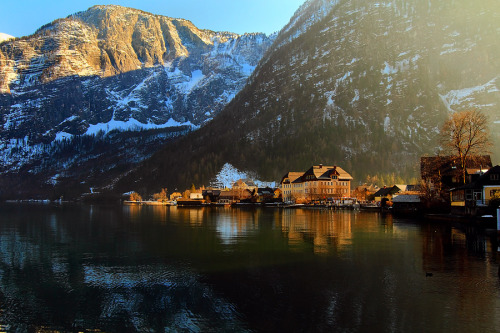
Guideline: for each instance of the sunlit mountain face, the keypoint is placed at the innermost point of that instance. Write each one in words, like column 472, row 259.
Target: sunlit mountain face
column 4, row 37
column 103, row 89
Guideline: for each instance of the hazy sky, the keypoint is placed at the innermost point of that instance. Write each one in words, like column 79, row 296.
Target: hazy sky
column 24, row 17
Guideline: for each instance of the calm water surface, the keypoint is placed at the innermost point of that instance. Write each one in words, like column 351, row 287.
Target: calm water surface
column 168, row 269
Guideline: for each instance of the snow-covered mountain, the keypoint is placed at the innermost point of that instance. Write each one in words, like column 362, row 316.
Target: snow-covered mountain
column 358, row 83
column 361, row 84
column 4, row 37
column 114, row 68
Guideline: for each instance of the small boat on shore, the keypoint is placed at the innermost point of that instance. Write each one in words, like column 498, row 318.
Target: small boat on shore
column 369, row 206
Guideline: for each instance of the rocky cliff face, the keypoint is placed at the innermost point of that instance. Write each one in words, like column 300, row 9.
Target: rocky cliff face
column 115, row 63
column 114, row 68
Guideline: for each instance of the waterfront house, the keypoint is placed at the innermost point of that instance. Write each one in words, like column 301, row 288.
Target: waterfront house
column 318, row 183
column 288, row 189
column 278, row 195
column 196, row 196
column 386, row 193
column 365, row 192
column 441, row 173
column 174, row 196
column 473, row 198
column 405, row 204
column 235, row 195
column 265, row 194
column 211, row 195
column 244, row 184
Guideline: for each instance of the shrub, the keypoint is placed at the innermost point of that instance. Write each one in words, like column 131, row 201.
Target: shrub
column 134, row 196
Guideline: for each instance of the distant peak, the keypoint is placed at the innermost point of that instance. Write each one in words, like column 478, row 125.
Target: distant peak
column 4, row 37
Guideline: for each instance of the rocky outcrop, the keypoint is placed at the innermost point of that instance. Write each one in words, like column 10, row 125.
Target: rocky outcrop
column 111, row 68
column 93, row 94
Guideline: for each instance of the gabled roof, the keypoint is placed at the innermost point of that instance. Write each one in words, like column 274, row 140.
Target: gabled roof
column 407, row 198
column 244, row 183
column 408, row 188
column 476, row 171
column 292, row 176
column 235, row 193
column 265, row 191
column 316, row 172
column 484, row 180
column 387, row 191
column 211, row 192
column 322, row 172
column 401, row 187
column 430, row 165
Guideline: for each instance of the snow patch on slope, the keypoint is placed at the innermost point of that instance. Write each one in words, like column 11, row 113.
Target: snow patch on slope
column 133, row 125
column 467, row 97
column 228, row 175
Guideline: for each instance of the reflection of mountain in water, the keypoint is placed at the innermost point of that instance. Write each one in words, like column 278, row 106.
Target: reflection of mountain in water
column 63, row 275
column 155, row 297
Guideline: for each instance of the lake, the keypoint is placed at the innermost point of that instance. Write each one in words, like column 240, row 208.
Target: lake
column 171, row 269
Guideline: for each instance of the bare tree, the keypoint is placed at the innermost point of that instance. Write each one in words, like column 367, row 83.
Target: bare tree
column 465, row 134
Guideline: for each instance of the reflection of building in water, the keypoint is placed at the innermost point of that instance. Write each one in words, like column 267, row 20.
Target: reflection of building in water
column 324, row 229
column 236, row 224
column 334, row 231
column 193, row 215
column 179, row 215
column 171, row 214
column 132, row 211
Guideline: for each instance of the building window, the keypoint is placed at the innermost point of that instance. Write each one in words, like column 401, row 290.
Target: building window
column 468, row 195
column 458, row 195
column 494, row 177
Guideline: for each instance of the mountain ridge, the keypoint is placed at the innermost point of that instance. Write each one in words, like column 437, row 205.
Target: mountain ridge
column 113, row 68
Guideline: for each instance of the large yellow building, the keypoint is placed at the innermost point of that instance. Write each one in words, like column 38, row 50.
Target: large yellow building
column 318, row 183
column 289, row 189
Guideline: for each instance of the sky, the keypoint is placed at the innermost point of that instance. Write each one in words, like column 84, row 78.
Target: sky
column 23, row 17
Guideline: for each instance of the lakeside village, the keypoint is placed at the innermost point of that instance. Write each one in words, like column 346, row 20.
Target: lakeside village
column 472, row 192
